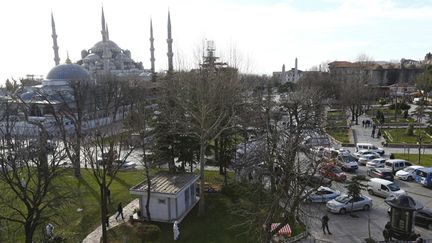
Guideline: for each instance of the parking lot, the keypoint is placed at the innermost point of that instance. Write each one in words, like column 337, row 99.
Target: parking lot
column 346, row 228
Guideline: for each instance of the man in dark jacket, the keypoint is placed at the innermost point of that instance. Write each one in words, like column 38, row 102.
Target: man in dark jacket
column 324, row 222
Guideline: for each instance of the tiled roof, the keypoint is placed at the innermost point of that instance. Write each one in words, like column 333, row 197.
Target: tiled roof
column 166, row 183
column 341, row 64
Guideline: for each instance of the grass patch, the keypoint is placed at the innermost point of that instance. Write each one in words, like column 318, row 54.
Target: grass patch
column 75, row 226
column 426, row 159
column 339, row 134
column 217, row 223
column 399, row 135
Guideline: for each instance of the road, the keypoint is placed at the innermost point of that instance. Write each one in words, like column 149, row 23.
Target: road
column 348, row 229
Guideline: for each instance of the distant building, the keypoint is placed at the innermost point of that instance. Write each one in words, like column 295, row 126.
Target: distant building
column 379, row 73
column 292, row 75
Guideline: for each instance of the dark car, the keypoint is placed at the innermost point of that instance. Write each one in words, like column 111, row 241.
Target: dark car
column 315, row 180
column 383, row 173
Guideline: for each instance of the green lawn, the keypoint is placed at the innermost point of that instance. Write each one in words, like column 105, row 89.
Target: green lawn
column 75, row 226
column 336, row 115
column 426, row 159
column 399, row 136
column 214, row 227
column 339, row 134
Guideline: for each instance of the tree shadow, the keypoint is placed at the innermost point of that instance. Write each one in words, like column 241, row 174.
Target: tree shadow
column 92, row 191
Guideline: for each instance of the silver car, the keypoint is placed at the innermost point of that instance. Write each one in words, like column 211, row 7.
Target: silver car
column 345, row 203
column 323, row 194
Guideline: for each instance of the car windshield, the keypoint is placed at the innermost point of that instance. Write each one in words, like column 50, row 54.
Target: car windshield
column 393, row 187
column 342, row 199
column 408, row 169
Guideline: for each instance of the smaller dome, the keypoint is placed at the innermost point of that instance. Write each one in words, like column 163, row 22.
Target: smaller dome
column 68, row 72
column 92, row 57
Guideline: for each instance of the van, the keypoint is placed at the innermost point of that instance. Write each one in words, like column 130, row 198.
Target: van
column 384, row 188
column 424, row 176
column 396, row 164
column 369, row 147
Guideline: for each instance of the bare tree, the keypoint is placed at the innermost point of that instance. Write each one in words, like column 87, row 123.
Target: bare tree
column 287, row 159
column 105, row 147
column 206, row 98
column 32, row 192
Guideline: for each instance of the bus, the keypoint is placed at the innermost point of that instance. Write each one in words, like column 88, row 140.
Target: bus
column 424, row 176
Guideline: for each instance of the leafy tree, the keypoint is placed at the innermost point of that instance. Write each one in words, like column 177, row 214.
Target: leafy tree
column 354, row 189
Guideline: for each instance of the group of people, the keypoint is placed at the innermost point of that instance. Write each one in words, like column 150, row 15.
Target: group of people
column 368, row 123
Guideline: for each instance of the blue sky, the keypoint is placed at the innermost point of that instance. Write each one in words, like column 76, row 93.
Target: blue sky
column 264, row 33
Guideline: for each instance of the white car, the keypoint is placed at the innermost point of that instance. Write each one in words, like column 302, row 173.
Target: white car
column 366, row 158
column 323, row 194
column 345, row 203
column 128, row 165
column 365, row 152
column 376, row 163
column 409, row 173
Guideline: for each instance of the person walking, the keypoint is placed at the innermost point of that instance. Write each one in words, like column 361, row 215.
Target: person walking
column 120, row 211
column 379, row 133
column 373, row 133
column 363, row 123
column 176, row 230
column 324, row 222
column 386, row 235
column 108, row 193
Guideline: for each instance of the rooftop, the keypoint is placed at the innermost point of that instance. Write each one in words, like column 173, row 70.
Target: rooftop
column 167, row 183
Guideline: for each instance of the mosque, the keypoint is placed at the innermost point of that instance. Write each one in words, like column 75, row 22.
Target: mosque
column 104, row 58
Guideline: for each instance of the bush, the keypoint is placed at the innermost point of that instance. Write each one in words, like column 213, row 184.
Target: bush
column 148, row 232
column 400, row 106
column 410, row 130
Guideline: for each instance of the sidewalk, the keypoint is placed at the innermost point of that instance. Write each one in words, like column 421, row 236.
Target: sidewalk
column 94, row 237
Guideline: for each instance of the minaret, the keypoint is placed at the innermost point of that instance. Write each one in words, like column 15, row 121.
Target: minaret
column 107, row 32
column 54, row 37
column 295, row 70
column 103, row 32
column 152, row 58
column 170, row 41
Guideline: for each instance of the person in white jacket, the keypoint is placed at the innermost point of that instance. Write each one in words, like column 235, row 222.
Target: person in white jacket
column 176, row 230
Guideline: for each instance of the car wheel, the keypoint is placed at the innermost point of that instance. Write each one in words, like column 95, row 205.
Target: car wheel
column 366, row 207
column 409, row 178
column 371, row 192
column 309, row 200
column 342, row 211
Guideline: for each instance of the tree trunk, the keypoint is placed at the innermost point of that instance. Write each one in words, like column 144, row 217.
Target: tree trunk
column 146, row 166
column 29, row 231
column 201, row 208
column 103, row 209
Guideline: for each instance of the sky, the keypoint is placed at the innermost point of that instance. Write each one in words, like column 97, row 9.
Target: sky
column 258, row 36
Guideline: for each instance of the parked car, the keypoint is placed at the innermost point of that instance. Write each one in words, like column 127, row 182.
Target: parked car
column 383, row 173
column 345, row 203
column 365, row 152
column 322, row 194
column 366, row 158
column 128, row 165
column 369, row 147
column 315, row 180
column 424, row 176
column 384, row 188
column 408, row 173
column 397, row 164
column 376, row 163
column 333, row 172
column 347, row 162
column 422, row 217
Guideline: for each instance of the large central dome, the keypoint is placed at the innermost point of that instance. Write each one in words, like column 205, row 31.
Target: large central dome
column 68, row 72
column 110, row 45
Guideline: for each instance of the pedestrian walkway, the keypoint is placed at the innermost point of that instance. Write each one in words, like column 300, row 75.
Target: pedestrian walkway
column 94, row 237
column 364, row 134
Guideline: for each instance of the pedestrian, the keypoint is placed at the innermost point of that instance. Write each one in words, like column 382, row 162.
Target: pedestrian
column 363, row 123
column 107, row 220
column 324, row 222
column 108, row 193
column 50, row 230
column 176, row 230
column 388, row 227
column 373, row 133
column 374, row 127
column 379, row 133
column 120, row 211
